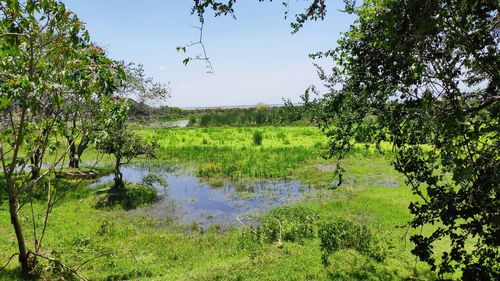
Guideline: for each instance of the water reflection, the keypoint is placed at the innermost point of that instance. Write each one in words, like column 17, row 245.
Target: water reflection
column 191, row 199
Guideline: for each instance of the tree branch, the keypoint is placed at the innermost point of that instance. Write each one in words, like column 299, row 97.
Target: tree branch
column 483, row 105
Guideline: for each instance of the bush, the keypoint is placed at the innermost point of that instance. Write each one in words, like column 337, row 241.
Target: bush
column 288, row 223
column 216, row 182
column 153, row 179
column 130, row 197
column 139, row 195
column 209, row 169
column 258, row 136
column 281, row 135
column 344, row 234
column 192, row 121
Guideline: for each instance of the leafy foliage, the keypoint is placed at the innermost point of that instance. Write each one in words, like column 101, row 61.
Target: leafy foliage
column 258, row 136
column 289, row 223
column 116, row 139
column 343, row 234
column 47, row 60
column 141, row 88
column 426, row 73
column 129, row 197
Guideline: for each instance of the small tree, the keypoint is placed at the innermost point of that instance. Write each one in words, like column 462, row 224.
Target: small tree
column 83, row 105
column 258, row 136
column 141, row 88
column 115, row 138
column 82, row 112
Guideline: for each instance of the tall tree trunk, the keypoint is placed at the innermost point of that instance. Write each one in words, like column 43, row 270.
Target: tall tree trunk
column 14, row 219
column 13, row 207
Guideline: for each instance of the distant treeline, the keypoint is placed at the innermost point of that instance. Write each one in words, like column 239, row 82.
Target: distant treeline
column 256, row 116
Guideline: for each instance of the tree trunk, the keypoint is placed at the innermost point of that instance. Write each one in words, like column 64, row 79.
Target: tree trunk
column 14, row 219
column 84, row 143
column 36, row 159
column 73, row 160
column 35, row 164
column 118, row 175
column 76, row 151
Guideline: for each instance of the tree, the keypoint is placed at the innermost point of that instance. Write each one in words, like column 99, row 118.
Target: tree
column 427, row 75
column 83, row 113
column 141, row 91
column 115, row 138
column 140, row 87
column 42, row 45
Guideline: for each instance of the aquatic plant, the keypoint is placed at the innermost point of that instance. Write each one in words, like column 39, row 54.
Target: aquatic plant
column 258, row 136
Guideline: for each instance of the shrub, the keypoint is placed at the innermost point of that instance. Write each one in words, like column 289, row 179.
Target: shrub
column 288, row 223
column 151, row 179
column 216, row 182
column 258, row 136
column 130, row 197
column 281, row 135
column 209, row 169
column 205, row 120
column 343, row 234
column 139, row 195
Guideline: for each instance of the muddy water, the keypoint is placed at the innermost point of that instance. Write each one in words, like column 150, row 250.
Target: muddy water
column 191, row 199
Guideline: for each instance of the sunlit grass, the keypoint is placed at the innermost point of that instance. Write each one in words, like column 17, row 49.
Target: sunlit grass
column 143, row 248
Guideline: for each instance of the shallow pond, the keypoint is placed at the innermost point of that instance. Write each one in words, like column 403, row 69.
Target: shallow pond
column 191, row 199
column 179, row 124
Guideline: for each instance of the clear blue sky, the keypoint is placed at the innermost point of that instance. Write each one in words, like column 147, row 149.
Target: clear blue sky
column 255, row 58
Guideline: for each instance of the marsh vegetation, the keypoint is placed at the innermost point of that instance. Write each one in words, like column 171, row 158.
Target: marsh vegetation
column 390, row 174
column 195, row 229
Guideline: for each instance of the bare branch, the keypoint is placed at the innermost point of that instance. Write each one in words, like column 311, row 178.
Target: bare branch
column 203, row 56
column 8, row 262
column 483, row 105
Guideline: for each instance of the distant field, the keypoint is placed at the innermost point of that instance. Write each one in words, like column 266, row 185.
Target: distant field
column 230, row 152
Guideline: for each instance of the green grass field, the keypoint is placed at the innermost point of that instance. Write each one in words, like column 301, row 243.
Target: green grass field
column 136, row 247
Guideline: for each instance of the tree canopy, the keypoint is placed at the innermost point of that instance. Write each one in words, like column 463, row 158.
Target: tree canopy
column 47, row 60
column 428, row 72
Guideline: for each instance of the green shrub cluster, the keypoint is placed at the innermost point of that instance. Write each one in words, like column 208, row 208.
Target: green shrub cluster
column 288, row 223
column 346, row 234
column 130, row 197
column 240, row 117
column 258, row 136
column 209, row 117
column 296, row 223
